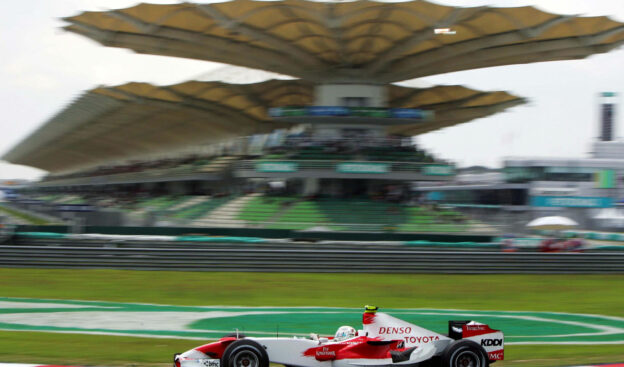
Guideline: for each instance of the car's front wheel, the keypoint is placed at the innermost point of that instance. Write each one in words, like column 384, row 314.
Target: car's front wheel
column 464, row 353
column 245, row 353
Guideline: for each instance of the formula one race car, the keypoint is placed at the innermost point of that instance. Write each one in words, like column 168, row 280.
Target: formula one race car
column 384, row 341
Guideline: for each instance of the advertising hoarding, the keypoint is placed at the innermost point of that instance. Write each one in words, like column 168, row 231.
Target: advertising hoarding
column 572, row 201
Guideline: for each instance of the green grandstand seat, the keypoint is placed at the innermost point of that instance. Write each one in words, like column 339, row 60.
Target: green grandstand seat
column 263, row 209
column 201, row 209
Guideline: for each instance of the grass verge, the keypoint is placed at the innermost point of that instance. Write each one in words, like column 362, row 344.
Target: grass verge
column 600, row 294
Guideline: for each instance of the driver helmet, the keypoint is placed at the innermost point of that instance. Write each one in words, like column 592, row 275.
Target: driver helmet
column 344, row 332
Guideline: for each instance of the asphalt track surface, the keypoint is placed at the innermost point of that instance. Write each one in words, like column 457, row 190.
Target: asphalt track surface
column 211, row 322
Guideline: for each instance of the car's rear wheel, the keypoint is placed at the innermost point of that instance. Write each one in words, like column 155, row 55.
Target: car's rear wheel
column 464, row 353
column 245, row 353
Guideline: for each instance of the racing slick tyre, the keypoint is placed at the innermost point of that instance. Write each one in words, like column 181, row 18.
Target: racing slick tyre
column 245, row 353
column 464, row 353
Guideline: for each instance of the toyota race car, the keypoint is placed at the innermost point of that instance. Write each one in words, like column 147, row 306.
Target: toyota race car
column 384, row 341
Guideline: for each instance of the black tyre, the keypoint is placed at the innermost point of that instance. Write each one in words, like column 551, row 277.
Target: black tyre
column 465, row 353
column 245, row 353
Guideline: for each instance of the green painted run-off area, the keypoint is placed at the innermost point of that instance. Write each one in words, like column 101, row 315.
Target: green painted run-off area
column 211, row 322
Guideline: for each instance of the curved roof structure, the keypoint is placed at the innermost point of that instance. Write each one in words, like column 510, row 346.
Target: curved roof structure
column 138, row 119
column 361, row 41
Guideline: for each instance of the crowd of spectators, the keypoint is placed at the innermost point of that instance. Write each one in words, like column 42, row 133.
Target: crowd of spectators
column 133, row 167
column 294, row 146
column 304, row 145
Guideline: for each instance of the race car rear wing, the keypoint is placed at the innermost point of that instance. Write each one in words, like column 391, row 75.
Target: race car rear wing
column 493, row 341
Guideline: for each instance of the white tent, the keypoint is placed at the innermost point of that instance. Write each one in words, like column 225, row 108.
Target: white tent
column 552, row 223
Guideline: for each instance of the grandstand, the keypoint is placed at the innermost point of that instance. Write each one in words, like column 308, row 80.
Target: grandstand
column 349, row 214
column 273, row 211
column 328, row 145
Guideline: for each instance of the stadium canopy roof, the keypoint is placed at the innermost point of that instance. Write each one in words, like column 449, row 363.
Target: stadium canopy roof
column 138, row 119
column 362, row 41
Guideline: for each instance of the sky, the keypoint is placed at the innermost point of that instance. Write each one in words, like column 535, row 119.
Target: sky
column 43, row 68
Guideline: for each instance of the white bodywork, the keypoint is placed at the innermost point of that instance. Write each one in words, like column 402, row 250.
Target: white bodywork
column 390, row 328
column 378, row 326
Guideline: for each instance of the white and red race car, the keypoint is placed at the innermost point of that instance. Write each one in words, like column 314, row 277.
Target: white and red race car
column 384, row 341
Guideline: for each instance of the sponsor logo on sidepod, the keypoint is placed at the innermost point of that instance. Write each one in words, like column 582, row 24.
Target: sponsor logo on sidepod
column 407, row 330
column 395, row 330
column 491, row 342
column 421, row 339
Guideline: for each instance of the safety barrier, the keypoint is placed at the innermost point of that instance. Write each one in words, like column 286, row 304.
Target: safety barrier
column 266, row 233
column 296, row 257
column 518, row 243
column 143, row 238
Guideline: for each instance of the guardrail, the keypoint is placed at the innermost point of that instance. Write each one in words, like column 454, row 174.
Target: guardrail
column 267, row 233
column 298, row 257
